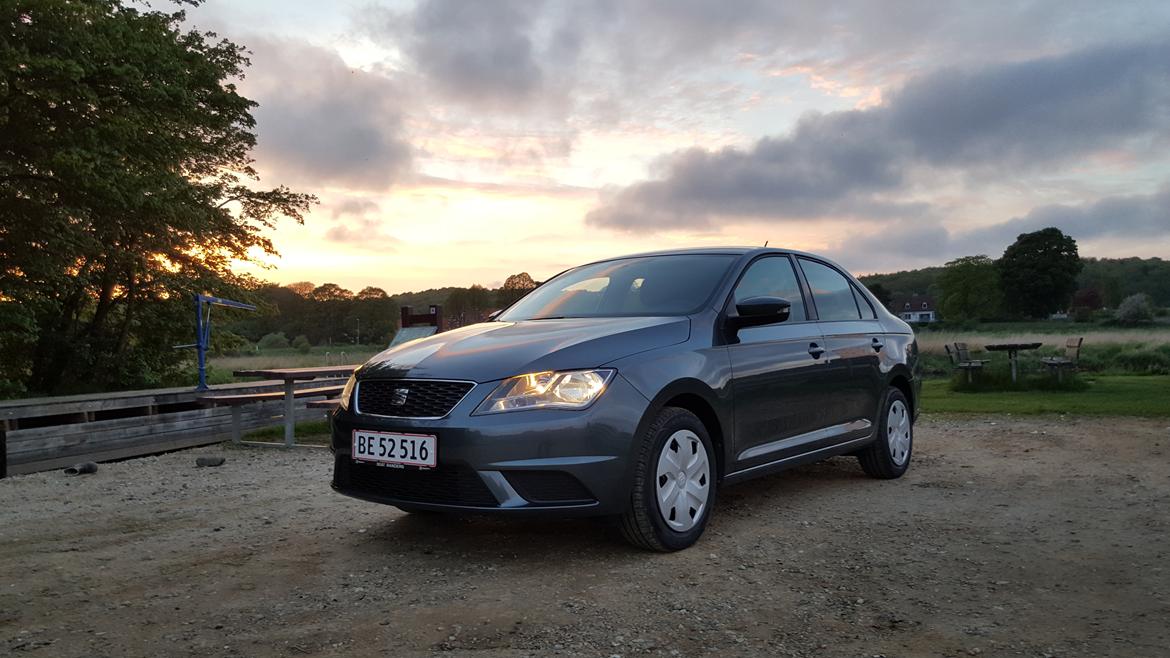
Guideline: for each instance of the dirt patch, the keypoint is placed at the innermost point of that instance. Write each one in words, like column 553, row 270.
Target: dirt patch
column 1031, row 537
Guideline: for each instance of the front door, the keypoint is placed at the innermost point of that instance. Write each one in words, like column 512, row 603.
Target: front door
column 778, row 370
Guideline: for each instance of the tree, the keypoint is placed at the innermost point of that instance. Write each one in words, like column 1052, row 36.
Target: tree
column 1135, row 309
column 1038, row 273
column 371, row 293
column 970, row 289
column 302, row 288
column 126, row 186
column 881, row 293
column 515, row 287
column 330, row 292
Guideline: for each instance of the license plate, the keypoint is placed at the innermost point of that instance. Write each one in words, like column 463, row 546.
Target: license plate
column 395, row 448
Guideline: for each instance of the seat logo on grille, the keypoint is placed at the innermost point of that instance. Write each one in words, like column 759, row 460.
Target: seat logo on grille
column 398, row 397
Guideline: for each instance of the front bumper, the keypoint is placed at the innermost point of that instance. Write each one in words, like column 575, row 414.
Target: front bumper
column 544, row 462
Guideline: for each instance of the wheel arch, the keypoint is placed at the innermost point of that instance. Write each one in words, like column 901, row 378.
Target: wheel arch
column 699, row 399
column 902, row 380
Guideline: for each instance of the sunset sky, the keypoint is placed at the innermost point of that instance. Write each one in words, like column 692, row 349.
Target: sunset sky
column 456, row 142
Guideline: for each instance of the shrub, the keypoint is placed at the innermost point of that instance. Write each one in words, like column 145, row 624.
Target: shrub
column 227, row 343
column 1135, row 309
column 301, row 344
column 274, row 341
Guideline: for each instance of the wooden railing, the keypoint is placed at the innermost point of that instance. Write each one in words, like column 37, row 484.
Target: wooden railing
column 45, row 433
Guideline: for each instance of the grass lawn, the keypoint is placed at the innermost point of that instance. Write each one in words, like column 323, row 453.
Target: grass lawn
column 308, row 432
column 1107, row 395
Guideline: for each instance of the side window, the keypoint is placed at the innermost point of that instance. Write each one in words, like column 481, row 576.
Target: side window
column 773, row 277
column 832, row 293
column 867, row 312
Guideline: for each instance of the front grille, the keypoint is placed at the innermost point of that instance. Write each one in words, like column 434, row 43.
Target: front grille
column 444, row 485
column 549, row 487
column 410, row 398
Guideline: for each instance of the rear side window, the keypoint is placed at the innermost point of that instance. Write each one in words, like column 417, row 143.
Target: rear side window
column 864, row 306
column 773, row 276
column 831, row 291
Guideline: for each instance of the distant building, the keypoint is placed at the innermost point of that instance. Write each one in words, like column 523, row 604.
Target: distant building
column 915, row 308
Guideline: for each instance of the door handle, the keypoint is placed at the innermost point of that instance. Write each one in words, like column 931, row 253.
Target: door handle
column 877, row 345
column 815, row 351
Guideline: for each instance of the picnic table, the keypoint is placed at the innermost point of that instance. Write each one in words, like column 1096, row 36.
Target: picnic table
column 290, row 376
column 1013, row 350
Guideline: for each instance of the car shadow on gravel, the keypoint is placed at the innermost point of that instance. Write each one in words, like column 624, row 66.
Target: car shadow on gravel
column 485, row 536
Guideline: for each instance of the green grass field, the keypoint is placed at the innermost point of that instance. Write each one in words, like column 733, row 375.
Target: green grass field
column 1106, row 395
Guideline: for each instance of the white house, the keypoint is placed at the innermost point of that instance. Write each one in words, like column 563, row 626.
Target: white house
column 915, row 308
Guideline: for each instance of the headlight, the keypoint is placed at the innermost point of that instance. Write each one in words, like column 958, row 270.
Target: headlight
column 574, row 389
column 347, row 392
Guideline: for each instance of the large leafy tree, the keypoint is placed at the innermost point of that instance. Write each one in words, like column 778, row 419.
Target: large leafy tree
column 126, row 185
column 515, row 287
column 970, row 289
column 1038, row 273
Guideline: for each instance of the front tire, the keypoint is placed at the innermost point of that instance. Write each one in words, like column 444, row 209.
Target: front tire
column 888, row 457
column 674, row 484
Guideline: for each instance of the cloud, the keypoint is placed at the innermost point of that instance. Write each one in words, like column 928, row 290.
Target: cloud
column 322, row 122
column 910, row 243
column 1129, row 216
column 358, row 207
column 473, row 51
column 1003, row 120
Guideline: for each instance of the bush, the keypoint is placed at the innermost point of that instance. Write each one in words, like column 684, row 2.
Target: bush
column 227, row 343
column 1135, row 309
column 301, row 344
column 276, row 341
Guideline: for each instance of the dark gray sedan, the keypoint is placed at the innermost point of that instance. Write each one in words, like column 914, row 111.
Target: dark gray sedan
column 633, row 388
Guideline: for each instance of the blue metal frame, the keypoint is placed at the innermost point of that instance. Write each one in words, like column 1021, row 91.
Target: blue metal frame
column 203, row 330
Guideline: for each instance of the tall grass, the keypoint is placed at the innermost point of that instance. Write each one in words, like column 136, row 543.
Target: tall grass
column 219, row 369
column 933, row 341
column 1101, row 353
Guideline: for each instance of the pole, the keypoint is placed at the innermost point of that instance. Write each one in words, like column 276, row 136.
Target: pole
column 200, row 344
column 289, row 414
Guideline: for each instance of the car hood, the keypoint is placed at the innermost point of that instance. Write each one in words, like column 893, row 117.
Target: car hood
column 495, row 350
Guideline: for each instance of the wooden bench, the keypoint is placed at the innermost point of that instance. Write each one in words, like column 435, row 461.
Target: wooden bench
column 961, row 359
column 1072, row 355
column 236, row 401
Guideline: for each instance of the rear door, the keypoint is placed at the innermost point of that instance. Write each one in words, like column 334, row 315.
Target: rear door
column 778, row 381
column 854, row 339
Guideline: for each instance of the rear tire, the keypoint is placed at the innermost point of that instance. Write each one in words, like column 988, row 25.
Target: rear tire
column 675, row 472
column 888, row 457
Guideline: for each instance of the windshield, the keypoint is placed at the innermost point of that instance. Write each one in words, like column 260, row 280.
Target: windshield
column 650, row 285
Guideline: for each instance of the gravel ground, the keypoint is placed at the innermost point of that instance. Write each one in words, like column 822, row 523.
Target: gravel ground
column 1032, row 537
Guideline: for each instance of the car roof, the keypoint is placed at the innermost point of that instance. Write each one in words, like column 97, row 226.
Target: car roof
column 730, row 251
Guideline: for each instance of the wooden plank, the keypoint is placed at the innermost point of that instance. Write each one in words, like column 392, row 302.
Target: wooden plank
column 109, row 455
column 248, row 398
column 299, row 373
column 94, row 402
column 112, row 431
column 141, row 433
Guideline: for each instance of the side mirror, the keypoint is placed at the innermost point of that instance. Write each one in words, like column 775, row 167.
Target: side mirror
column 494, row 314
column 758, row 311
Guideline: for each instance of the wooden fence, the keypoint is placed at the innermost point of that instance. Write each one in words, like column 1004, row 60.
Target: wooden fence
column 47, row 433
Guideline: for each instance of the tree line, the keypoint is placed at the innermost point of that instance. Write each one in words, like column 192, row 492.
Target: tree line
column 1039, row 274
column 329, row 314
